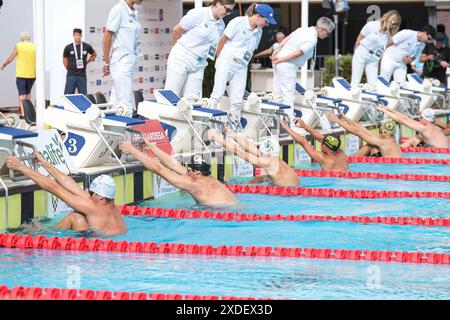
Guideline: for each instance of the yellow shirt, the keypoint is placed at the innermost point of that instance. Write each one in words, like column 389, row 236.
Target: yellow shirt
column 26, row 60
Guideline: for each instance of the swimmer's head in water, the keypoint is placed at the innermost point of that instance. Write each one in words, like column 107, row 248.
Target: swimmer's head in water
column 104, row 186
column 389, row 127
column 428, row 114
column 197, row 163
column 270, row 147
column 331, row 142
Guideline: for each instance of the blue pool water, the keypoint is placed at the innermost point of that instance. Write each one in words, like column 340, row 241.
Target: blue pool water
column 426, row 155
column 442, row 170
column 256, row 276
column 250, row 203
column 363, row 184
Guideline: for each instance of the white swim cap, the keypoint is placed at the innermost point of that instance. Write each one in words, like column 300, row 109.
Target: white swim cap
column 104, row 186
column 270, row 146
column 428, row 114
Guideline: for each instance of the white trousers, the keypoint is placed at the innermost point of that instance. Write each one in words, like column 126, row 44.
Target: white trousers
column 122, row 74
column 284, row 81
column 390, row 67
column 364, row 61
column 185, row 73
column 228, row 70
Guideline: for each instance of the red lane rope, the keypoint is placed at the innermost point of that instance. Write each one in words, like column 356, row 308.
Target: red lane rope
column 334, row 193
column 94, row 245
column 372, row 175
column 398, row 160
column 38, row 293
column 233, row 216
column 425, row 150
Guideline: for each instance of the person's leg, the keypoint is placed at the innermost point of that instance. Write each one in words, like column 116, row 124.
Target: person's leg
column 387, row 68
column 372, row 73
column 222, row 76
column 238, row 84
column 73, row 221
column 21, row 89
column 194, row 84
column 358, row 65
column 287, row 79
column 276, row 90
column 177, row 70
column 82, row 84
column 400, row 73
column 122, row 74
column 71, row 84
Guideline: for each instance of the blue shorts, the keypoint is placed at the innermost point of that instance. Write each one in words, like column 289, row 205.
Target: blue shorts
column 24, row 85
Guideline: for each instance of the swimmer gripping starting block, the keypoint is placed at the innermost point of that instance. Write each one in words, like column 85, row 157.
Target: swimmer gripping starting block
column 259, row 115
column 312, row 107
column 11, row 140
column 186, row 124
column 362, row 104
column 92, row 131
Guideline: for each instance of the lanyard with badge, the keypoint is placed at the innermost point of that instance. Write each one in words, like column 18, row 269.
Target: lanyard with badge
column 79, row 62
column 213, row 48
column 247, row 56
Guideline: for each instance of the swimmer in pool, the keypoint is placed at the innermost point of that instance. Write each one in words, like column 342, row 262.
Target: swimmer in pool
column 428, row 134
column 195, row 179
column 267, row 157
column 384, row 143
column 94, row 210
column 331, row 157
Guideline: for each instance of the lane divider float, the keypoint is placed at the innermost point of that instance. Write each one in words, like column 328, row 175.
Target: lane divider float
column 383, row 160
column 135, row 211
column 98, row 245
column 39, row 293
column 372, row 175
column 334, row 193
column 425, row 150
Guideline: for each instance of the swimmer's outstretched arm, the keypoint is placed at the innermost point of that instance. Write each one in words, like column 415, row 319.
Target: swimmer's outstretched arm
column 315, row 133
column 241, row 153
column 403, row 119
column 61, row 178
column 313, row 153
column 165, row 158
column 179, row 181
column 82, row 204
column 245, row 143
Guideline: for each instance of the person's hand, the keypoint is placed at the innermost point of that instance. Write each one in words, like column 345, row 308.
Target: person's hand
column 38, row 158
column 430, row 57
column 283, row 124
column 3, row 66
column 106, row 70
column 444, row 64
column 300, row 123
column 408, row 59
column 14, row 163
column 213, row 135
column 127, row 147
column 331, row 116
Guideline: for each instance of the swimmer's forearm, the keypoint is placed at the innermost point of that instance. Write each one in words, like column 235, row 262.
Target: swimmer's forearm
column 316, row 134
column 166, row 159
column 61, row 178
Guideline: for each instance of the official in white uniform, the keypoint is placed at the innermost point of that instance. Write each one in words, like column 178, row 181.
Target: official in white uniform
column 296, row 49
column 370, row 46
column 195, row 39
column 402, row 49
column 121, row 47
column 268, row 52
column 235, row 50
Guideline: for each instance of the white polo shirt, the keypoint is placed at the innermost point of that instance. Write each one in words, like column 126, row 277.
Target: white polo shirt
column 123, row 21
column 374, row 38
column 242, row 38
column 405, row 44
column 304, row 39
column 201, row 31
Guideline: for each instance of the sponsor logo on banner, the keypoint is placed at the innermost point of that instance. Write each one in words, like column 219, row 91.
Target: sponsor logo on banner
column 56, row 206
column 241, row 168
column 50, row 145
column 161, row 187
column 154, row 132
column 352, row 144
column 300, row 156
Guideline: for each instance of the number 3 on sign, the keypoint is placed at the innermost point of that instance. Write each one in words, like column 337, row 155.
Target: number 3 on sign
column 72, row 146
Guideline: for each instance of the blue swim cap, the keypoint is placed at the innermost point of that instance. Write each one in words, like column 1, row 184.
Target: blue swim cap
column 104, row 186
